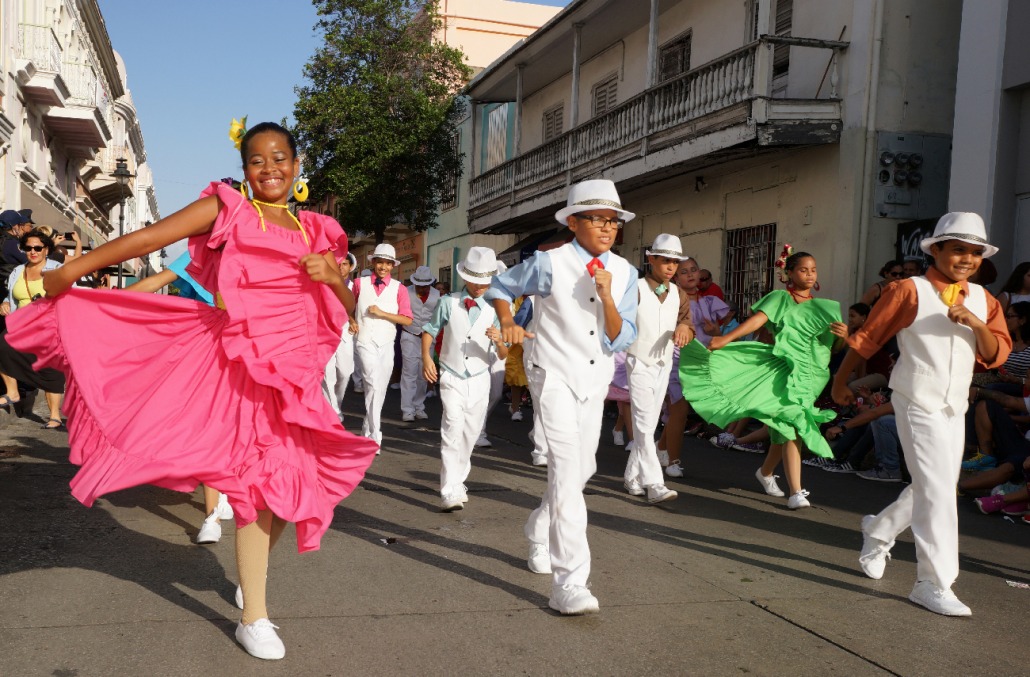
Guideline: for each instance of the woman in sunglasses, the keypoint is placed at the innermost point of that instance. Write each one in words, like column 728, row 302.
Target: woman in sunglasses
column 892, row 271
column 25, row 285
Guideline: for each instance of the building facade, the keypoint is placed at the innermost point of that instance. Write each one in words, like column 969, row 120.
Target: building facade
column 738, row 126
column 66, row 118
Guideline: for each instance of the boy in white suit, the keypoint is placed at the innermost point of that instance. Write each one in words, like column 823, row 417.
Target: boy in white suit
column 423, row 298
column 472, row 335
column 944, row 324
column 340, row 368
column 584, row 312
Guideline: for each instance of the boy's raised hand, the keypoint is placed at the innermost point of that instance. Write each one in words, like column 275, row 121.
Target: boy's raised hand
column 513, row 334
column 962, row 315
column 603, row 283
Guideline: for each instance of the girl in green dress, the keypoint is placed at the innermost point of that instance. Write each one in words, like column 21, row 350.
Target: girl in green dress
column 776, row 384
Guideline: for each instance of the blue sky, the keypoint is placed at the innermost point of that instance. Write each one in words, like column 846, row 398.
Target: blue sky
column 193, row 65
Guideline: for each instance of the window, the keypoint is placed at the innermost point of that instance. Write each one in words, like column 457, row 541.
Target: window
column 749, row 271
column 445, row 277
column 674, row 58
column 450, row 199
column 554, row 121
column 497, row 137
column 605, row 94
column 781, row 53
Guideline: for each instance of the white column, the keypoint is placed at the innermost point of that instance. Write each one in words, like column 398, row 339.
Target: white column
column 517, row 140
column 652, row 46
column 578, row 30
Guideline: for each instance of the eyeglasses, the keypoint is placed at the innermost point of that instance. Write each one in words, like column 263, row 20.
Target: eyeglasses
column 33, row 248
column 601, row 222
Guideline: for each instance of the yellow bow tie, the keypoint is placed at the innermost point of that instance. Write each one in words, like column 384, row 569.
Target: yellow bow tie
column 951, row 294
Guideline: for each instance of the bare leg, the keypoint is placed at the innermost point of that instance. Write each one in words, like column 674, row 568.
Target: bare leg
column 210, row 500
column 760, row 435
column 53, row 402
column 11, row 387
column 984, row 429
column 772, row 459
column 792, row 465
column 516, row 398
column 252, row 545
column 627, row 418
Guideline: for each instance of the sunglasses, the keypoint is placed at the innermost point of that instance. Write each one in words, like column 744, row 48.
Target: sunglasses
column 33, row 248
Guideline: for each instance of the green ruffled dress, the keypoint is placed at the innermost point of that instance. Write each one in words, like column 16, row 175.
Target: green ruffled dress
column 776, row 384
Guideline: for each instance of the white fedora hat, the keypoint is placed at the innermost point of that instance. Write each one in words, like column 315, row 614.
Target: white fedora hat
column 422, row 276
column 385, row 251
column 352, row 260
column 591, row 195
column 479, row 266
column 964, row 226
column 668, row 246
column 366, row 272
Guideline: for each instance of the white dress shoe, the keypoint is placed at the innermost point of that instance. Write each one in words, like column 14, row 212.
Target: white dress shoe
column 875, row 552
column 539, row 558
column 659, row 493
column 633, row 487
column 451, row 502
column 260, row 639
column 540, row 460
column 572, row 600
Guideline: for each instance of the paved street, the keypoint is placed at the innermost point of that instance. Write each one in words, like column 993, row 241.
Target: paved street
column 723, row 581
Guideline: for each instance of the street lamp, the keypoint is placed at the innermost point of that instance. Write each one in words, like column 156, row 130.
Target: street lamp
column 122, row 176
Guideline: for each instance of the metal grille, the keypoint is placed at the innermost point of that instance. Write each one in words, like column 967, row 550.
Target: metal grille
column 750, row 254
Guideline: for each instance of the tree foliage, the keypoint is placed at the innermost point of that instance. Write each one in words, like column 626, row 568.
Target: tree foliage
column 375, row 119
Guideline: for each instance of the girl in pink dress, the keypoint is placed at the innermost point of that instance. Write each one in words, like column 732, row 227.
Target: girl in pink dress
column 172, row 392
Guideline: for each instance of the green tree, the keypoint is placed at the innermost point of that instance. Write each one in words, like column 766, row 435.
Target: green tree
column 375, row 120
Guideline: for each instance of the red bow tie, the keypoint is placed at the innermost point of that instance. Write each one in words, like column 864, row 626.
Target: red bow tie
column 378, row 282
column 470, row 304
column 593, row 265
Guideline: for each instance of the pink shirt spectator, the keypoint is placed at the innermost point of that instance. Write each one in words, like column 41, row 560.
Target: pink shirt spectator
column 403, row 302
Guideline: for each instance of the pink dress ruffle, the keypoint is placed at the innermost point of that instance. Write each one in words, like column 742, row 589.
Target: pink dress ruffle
column 171, row 392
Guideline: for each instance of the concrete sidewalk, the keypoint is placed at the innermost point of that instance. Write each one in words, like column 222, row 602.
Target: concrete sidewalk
column 723, row 581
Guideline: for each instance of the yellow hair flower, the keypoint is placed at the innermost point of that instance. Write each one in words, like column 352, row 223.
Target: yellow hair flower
column 236, row 131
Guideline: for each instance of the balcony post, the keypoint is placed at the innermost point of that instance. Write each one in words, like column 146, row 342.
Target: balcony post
column 652, row 46
column 517, row 140
column 764, row 53
column 577, row 36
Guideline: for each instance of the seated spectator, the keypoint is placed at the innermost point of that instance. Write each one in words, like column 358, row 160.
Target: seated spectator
column 892, row 271
column 707, row 287
column 1011, row 376
column 913, row 266
column 997, row 435
column 1015, row 289
column 1013, row 502
column 854, row 438
column 997, row 431
column 25, row 285
column 886, row 446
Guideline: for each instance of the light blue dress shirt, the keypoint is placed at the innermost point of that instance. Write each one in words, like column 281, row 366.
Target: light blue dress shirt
column 442, row 317
column 535, row 277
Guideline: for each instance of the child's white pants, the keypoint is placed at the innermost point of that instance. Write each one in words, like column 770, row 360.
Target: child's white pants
column 338, row 372
column 647, row 387
column 376, row 368
column 932, row 442
column 571, row 428
column 464, row 403
column 496, row 372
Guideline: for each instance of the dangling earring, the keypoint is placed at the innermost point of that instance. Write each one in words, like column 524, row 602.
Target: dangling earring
column 244, row 191
column 817, row 285
column 300, row 190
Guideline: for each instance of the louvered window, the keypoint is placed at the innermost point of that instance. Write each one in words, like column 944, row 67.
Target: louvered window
column 781, row 53
column 674, row 58
column 497, row 137
column 606, row 95
column 554, row 121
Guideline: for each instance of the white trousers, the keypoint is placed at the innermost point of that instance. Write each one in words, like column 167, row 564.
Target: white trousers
column 464, row 408
column 376, row 368
column 413, row 384
column 338, row 372
column 571, row 428
column 496, row 387
column 932, row 442
column 356, row 377
column 647, row 387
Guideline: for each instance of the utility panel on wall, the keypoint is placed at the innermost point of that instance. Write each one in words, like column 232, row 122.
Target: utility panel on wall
column 912, row 172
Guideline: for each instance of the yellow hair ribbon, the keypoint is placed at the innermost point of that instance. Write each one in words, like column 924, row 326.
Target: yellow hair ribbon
column 237, row 130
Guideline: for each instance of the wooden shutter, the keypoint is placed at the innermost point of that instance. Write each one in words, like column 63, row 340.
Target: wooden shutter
column 605, row 95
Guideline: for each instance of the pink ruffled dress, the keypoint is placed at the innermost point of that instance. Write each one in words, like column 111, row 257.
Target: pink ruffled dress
column 172, row 392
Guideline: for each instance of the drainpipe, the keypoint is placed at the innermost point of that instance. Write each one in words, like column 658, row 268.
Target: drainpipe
column 864, row 209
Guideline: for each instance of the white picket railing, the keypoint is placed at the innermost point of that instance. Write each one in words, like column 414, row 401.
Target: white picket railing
column 39, row 44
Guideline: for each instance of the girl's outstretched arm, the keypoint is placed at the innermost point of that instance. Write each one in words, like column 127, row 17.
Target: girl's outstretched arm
column 194, row 219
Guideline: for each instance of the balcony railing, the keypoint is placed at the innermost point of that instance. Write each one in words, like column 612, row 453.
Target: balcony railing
column 39, row 44
column 82, row 83
column 721, row 83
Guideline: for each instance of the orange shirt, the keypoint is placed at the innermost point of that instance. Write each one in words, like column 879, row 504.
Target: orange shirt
column 897, row 308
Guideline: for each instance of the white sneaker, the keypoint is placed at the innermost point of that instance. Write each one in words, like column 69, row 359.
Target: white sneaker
column 484, row 441
column 421, row 415
column 633, row 487
column 659, row 493
column 451, row 502
column 540, row 460
column 799, row 500
column 618, row 438
column 572, row 600
column 539, row 558
column 674, row 469
column 210, row 530
column 875, row 552
column 516, row 415
column 260, row 639
column 663, row 457
column 938, row 600
column 224, row 510
column 769, row 483
column 407, row 418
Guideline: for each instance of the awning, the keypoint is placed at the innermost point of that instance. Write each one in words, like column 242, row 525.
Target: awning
column 524, row 248
column 44, row 213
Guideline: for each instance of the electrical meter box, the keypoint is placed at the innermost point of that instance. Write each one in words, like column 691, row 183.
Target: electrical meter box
column 911, row 173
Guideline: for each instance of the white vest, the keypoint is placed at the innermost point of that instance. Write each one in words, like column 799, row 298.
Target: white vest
column 569, row 323
column 374, row 330
column 465, row 347
column 656, row 323
column 937, row 355
column 421, row 313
